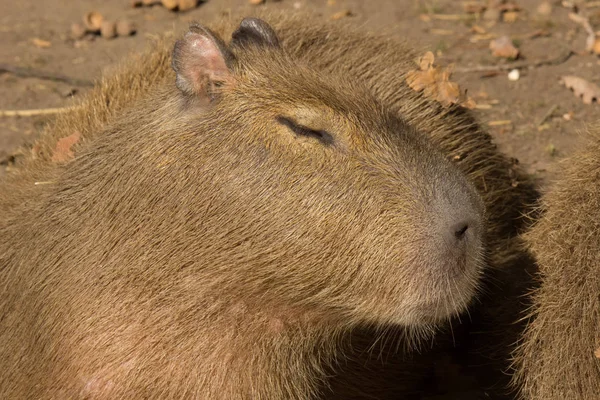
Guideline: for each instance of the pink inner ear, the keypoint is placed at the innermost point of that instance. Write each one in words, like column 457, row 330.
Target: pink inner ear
column 200, row 63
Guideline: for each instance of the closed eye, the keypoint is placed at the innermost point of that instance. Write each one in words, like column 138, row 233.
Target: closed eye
column 301, row 130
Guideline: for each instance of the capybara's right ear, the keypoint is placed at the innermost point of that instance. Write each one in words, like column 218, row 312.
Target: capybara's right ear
column 202, row 63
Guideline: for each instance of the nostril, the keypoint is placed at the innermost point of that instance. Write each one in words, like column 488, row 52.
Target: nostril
column 460, row 230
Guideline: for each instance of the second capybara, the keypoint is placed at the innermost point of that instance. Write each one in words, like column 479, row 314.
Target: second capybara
column 559, row 357
column 329, row 49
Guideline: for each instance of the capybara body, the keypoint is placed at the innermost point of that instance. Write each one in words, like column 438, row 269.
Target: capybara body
column 559, row 356
column 223, row 234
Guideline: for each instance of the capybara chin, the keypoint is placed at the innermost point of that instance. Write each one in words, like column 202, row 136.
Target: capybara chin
column 221, row 236
column 559, row 357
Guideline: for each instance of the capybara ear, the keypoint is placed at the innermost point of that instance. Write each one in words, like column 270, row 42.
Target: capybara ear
column 254, row 31
column 201, row 61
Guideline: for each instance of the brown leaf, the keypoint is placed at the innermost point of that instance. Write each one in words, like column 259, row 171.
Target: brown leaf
column 63, row 151
column 503, row 47
column 587, row 91
column 435, row 83
column 42, row 44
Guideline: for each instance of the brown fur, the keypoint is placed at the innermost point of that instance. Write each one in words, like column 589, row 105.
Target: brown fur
column 556, row 359
column 313, row 328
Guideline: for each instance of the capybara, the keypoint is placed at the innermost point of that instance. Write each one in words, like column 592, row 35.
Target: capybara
column 202, row 243
column 227, row 231
column 559, row 357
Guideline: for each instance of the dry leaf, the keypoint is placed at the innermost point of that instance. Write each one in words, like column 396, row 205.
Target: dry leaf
column 62, row 151
column 42, row 44
column 435, row 83
column 503, row 47
column 587, row 91
column 36, row 151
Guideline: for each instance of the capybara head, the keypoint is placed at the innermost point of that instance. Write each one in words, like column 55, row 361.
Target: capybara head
column 319, row 200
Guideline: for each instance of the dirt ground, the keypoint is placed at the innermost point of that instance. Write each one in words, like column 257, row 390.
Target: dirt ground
column 534, row 119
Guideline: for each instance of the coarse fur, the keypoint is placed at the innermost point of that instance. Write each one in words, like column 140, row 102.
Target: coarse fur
column 132, row 146
column 556, row 359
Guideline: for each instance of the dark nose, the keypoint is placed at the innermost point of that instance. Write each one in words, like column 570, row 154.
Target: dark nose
column 460, row 230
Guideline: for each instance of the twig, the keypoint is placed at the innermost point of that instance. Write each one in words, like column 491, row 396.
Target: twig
column 547, row 115
column 33, row 73
column 517, row 65
column 449, row 17
column 35, row 112
column 500, row 122
column 585, row 22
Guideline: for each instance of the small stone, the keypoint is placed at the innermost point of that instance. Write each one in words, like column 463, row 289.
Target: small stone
column 514, row 75
column 185, row 5
column 491, row 14
column 125, row 27
column 545, row 8
column 78, row 31
column 108, row 30
column 93, row 21
column 170, row 4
